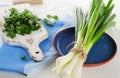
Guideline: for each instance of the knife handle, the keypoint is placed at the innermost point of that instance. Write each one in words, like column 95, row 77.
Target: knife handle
column 27, row 1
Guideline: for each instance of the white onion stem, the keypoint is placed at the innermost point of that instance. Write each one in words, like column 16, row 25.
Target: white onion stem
column 65, row 59
column 76, row 73
column 68, row 69
column 58, row 69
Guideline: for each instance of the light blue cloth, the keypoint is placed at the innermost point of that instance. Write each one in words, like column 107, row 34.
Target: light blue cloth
column 32, row 66
column 10, row 56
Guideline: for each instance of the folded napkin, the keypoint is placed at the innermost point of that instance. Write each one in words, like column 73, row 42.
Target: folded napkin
column 10, row 56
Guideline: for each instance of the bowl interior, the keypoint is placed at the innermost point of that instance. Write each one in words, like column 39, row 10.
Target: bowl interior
column 103, row 50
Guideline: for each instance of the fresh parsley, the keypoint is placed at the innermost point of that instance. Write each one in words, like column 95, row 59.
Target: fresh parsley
column 20, row 23
column 49, row 20
column 23, row 57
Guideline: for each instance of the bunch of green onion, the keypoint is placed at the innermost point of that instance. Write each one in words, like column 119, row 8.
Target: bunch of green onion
column 89, row 28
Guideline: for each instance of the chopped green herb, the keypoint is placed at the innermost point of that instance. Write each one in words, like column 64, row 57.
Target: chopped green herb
column 49, row 20
column 55, row 17
column 20, row 23
column 49, row 16
column 23, row 57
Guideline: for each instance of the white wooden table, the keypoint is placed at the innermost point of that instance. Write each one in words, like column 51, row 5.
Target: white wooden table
column 65, row 7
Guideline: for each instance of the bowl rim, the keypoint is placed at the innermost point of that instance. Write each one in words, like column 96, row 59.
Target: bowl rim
column 85, row 65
